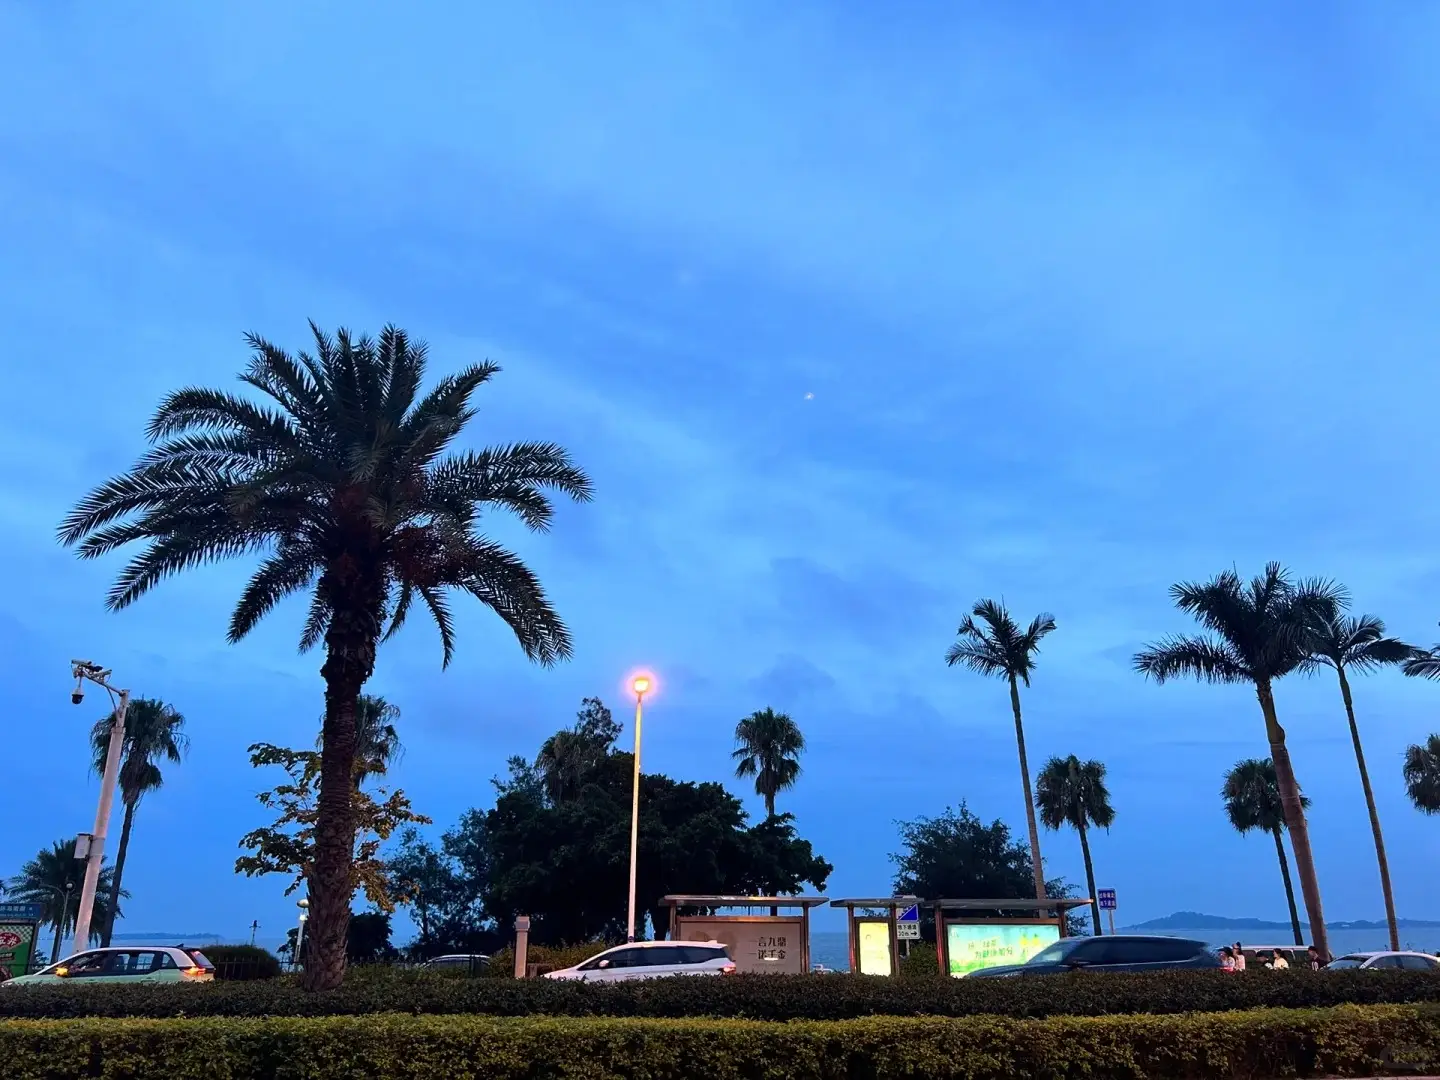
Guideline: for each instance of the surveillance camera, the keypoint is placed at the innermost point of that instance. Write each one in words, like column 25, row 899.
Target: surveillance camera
column 77, row 695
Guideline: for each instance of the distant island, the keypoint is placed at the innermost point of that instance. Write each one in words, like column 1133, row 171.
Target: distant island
column 125, row 939
column 1194, row 920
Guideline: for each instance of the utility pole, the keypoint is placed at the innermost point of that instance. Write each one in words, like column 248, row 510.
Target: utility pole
column 85, row 670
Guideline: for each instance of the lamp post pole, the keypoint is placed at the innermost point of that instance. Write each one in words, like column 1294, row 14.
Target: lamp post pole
column 84, row 670
column 641, row 685
column 304, row 906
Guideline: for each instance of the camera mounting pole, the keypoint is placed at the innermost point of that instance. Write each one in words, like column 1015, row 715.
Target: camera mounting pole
column 84, row 671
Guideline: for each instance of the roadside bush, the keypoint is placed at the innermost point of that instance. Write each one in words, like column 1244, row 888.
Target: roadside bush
column 755, row 997
column 1345, row 1041
column 242, row 963
column 922, row 962
column 549, row 957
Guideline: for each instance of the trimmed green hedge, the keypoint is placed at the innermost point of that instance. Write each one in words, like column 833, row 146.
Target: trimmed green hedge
column 552, row 957
column 1345, row 1041
column 756, row 997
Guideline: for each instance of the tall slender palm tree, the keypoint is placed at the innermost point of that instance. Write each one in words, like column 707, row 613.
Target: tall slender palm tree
column 377, row 743
column 52, row 879
column 153, row 733
column 1252, row 801
column 768, row 746
column 996, row 646
column 1258, row 632
column 1072, row 792
column 1422, row 775
column 336, row 472
column 1345, row 643
column 1423, row 663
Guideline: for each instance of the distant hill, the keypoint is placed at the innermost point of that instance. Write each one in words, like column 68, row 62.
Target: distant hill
column 191, row 939
column 1194, row 920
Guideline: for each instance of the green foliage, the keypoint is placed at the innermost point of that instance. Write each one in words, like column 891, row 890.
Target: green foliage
column 443, row 887
column 242, row 963
column 755, row 997
column 1343, row 1041
column 1422, row 775
column 956, row 854
column 768, row 746
column 43, row 880
column 921, row 962
column 153, row 731
column 1251, row 794
column 377, row 742
column 288, row 846
column 549, row 957
column 1072, row 792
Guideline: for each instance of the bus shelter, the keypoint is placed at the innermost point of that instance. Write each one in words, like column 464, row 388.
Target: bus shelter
column 874, row 938
column 771, row 942
column 975, row 934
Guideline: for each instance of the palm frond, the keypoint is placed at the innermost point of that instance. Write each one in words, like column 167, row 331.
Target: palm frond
column 1195, row 657
column 289, row 570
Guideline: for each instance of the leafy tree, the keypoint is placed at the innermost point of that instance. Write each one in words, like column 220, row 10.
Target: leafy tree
column 377, row 742
column 1073, row 792
column 339, row 475
column 153, row 732
column 1345, row 643
column 565, row 863
column 568, row 757
column 288, row 846
column 768, row 746
column 445, row 888
column 52, row 878
column 957, row 856
column 1257, row 633
column 996, row 647
column 1422, row 775
column 1252, row 801
column 367, row 940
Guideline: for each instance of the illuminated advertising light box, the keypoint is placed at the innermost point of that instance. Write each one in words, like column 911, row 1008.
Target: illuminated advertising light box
column 757, row 946
column 874, row 947
column 973, row 946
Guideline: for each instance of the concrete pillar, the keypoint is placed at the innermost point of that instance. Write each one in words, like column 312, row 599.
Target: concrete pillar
column 522, row 944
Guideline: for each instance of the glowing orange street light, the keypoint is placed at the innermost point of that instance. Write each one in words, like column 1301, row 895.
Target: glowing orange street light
column 641, row 685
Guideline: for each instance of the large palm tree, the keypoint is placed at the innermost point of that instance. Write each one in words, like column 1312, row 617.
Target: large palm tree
column 341, row 476
column 377, row 742
column 1422, row 775
column 1252, row 801
column 997, row 647
column 1072, row 792
column 1346, row 643
column 768, row 746
column 1258, row 632
column 52, row 879
column 152, row 734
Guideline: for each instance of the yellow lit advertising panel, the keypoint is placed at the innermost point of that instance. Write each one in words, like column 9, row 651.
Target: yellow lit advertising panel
column 973, row 947
column 874, row 950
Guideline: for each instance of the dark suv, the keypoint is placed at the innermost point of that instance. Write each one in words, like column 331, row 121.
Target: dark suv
column 1120, row 952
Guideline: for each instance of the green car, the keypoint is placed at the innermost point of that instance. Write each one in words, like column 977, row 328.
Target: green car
column 126, row 964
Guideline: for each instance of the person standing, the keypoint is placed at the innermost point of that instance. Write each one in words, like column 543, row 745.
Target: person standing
column 1312, row 954
column 1227, row 958
column 1239, row 957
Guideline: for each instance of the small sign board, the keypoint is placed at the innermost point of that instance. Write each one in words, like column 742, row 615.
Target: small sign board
column 1106, row 898
column 22, row 911
column 907, row 926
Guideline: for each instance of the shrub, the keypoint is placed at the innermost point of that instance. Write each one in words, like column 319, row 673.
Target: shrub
column 755, row 997
column 1345, row 1041
column 549, row 957
column 922, row 962
column 242, row 963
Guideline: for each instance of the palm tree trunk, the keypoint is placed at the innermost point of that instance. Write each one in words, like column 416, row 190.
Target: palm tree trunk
column 1374, row 815
column 1289, row 889
column 1090, row 879
column 1294, row 820
column 109, row 928
column 350, row 644
column 55, row 944
column 1038, row 867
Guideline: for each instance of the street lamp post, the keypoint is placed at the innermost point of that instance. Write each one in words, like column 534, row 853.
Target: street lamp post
column 304, row 906
column 641, row 685
column 84, row 671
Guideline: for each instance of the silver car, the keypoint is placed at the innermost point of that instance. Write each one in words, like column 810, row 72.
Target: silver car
column 651, row 960
column 1380, row 961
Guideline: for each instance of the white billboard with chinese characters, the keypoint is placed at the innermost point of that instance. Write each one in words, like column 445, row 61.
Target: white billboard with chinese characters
column 762, row 945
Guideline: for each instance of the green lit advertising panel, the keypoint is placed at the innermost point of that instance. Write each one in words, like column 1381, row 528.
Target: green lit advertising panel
column 17, row 942
column 974, row 946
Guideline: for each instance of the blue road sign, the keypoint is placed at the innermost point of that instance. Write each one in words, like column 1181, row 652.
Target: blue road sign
column 1106, row 898
column 23, row 912
column 910, row 914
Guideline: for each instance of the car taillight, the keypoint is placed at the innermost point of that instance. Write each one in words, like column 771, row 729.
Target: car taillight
column 194, row 972
column 728, row 969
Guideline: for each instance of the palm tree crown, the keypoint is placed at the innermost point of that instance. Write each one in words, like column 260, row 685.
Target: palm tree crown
column 768, row 747
column 342, row 476
column 1072, row 792
column 1353, row 643
column 153, row 732
column 996, row 646
column 1424, row 663
column 1252, row 797
column 1258, row 631
column 1422, row 775
column 52, row 879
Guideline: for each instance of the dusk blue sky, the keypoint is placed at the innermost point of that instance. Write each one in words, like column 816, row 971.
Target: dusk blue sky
column 1090, row 298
